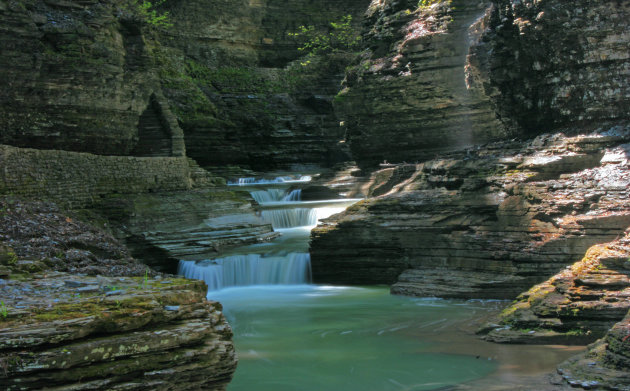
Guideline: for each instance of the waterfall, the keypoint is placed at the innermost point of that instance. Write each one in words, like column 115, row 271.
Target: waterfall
column 289, row 218
column 276, row 195
column 250, row 269
column 282, row 261
column 295, row 195
column 268, row 195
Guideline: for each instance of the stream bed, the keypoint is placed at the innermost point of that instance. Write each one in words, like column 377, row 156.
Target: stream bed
column 291, row 335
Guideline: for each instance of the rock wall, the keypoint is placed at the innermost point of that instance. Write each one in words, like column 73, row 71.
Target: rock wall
column 76, row 75
column 78, row 180
column 551, row 63
column 486, row 223
column 249, row 32
column 409, row 96
column 457, row 73
column 230, row 79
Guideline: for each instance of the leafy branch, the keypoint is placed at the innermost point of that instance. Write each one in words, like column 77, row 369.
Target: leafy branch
column 340, row 37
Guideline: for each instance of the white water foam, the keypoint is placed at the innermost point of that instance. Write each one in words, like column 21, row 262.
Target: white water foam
column 250, row 269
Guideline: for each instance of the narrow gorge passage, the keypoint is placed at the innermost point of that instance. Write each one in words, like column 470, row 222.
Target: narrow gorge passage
column 291, row 334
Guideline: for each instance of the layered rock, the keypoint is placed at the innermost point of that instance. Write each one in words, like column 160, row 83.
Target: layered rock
column 577, row 305
column 163, row 228
column 112, row 323
column 486, row 223
column 249, row 32
column 66, row 332
column 606, row 364
column 551, row 63
column 436, row 77
column 409, row 97
column 76, row 76
column 228, row 74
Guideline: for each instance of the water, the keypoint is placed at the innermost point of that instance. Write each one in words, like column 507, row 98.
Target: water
column 314, row 338
column 292, row 336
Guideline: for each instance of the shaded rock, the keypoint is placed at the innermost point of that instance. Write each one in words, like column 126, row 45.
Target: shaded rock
column 42, row 237
column 606, row 364
column 408, row 97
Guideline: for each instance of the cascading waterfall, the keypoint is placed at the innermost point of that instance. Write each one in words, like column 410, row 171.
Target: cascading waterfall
column 284, row 210
column 250, row 269
column 289, row 218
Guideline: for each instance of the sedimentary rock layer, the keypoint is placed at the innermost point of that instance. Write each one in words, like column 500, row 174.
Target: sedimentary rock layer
column 409, row 97
column 551, row 63
column 577, row 305
column 66, row 332
column 486, row 223
column 449, row 74
column 75, row 75
column 606, row 364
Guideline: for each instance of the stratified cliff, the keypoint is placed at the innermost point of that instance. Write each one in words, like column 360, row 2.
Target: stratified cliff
column 452, row 74
column 230, row 75
column 409, row 97
column 484, row 223
column 76, row 76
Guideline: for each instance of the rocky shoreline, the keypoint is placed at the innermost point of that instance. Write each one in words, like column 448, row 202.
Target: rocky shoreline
column 78, row 312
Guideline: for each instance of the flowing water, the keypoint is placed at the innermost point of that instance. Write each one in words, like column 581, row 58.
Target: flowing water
column 291, row 335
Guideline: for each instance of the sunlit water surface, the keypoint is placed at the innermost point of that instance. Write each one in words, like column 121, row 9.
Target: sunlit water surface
column 315, row 338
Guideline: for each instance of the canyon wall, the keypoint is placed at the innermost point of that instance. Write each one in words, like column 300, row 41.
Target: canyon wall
column 409, row 97
column 76, row 76
column 231, row 75
column 452, row 74
column 483, row 223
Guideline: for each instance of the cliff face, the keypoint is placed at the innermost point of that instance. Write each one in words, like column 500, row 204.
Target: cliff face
column 238, row 97
column 89, row 77
column 458, row 73
column 552, row 63
column 409, row 97
column 485, row 223
column 75, row 76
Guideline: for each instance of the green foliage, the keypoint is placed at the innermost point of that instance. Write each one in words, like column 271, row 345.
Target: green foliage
column 423, row 4
column 149, row 12
column 4, row 311
column 340, row 37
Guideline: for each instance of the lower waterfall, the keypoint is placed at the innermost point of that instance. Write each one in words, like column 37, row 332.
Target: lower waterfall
column 250, row 269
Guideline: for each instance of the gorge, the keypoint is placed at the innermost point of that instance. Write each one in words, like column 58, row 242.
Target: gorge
column 462, row 155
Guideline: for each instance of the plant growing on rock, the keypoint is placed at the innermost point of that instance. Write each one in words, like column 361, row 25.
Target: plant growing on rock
column 4, row 311
column 148, row 10
column 340, row 37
